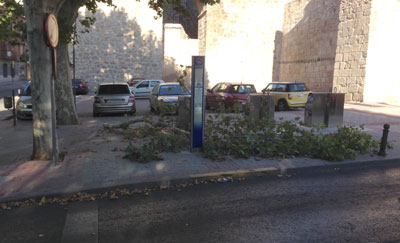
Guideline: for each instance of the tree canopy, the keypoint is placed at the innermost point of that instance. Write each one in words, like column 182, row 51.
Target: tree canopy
column 13, row 22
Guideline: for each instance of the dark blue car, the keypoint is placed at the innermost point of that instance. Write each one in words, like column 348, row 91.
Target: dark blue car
column 80, row 86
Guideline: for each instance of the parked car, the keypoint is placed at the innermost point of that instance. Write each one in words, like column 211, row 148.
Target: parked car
column 80, row 86
column 144, row 87
column 288, row 95
column 113, row 98
column 24, row 104
column 134, row 81
column 167, row 93
column 228, row 94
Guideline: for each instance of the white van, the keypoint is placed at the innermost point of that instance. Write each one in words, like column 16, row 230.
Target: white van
column 144, row 88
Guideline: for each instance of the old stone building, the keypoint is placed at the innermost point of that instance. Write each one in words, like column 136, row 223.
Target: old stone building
column 347, row 46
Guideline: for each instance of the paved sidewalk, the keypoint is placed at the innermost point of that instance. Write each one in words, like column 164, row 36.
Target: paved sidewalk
column 94, row 158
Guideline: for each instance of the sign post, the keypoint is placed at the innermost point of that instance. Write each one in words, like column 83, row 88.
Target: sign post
column 197, row 103
column 51, row 39
column 13, row 91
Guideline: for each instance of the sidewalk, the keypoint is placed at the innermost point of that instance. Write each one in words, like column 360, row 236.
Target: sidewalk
column 94, row 159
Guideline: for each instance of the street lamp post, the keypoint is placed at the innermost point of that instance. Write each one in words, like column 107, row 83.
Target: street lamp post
column 73, row 65
column 13, row 91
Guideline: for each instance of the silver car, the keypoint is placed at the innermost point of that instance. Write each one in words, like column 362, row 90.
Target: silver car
column 24, row 104
column 166, row 93
column 113, row 98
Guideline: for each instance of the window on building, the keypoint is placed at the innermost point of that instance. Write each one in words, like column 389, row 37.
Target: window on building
column 5, row 70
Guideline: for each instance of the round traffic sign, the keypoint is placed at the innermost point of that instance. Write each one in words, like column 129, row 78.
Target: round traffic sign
column 51, row 28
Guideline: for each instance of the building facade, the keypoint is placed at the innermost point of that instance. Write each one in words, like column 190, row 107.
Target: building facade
column 341, row 46
column 13, row 54
column 344, row 46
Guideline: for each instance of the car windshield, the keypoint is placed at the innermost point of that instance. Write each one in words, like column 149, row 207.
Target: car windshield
column 171, row 90
column 76, row 81
column 27, row 90
column 243, row 89
column 297, row 87
column 113, row 89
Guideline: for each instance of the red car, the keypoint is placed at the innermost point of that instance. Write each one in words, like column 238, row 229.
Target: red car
column 134, row 81
column 228, row 94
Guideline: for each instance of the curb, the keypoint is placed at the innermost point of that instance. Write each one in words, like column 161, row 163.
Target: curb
column 336, row 166
column 267, row 172
column 237, row 173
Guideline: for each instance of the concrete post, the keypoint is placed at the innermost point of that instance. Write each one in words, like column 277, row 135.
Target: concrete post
column 183, row 120
column 261, row 106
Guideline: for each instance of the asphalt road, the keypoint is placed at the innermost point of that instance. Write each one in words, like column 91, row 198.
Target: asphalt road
column 352, row 205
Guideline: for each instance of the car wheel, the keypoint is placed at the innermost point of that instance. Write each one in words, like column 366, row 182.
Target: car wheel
column 133, row 111
column 95, row 114
column 282, row 105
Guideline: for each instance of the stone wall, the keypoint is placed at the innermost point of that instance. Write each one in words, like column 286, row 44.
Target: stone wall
column 125, row 42
column 352, row 49
column 382, row 82
column 202, row 25
column 308, row 45
column 238, row 40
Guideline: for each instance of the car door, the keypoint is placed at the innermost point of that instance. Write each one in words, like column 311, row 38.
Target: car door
column 152, row 85
column 299, row 93
column 142, row 88
column 220, row 95
column 210, row 96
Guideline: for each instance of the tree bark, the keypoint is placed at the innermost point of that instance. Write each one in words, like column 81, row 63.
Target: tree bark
column 66, row 112
column 41, row 71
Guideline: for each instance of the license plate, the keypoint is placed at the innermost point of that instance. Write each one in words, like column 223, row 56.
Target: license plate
column 300, row 95
column 114, row 100
column 243, row 102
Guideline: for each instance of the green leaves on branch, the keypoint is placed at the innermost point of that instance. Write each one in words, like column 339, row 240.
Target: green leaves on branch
column 236, row 136
column 12, row 23
column 155, row 138
column 177, row 6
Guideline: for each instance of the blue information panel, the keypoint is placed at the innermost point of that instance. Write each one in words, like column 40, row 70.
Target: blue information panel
column 197, row 101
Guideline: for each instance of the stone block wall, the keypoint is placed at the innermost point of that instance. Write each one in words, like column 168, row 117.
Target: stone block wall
column 238, row 40
column 382, row 81
column 308, row 46
column 202, row 35
column 125, row 42
column 352, row 49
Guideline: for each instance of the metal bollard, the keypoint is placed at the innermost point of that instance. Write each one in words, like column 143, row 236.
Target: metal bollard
column 382, row 150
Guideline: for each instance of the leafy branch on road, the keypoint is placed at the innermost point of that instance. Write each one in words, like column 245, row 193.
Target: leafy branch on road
column 234, row 135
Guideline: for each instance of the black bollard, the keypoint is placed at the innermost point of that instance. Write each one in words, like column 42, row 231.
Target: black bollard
column 382, row 150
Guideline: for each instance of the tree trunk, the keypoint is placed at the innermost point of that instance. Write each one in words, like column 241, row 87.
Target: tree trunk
column 66, row 112
column 41, row 71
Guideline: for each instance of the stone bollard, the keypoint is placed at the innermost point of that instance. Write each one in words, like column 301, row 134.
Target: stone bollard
column 183, row 120
column 261, row 106
column 385, row 134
